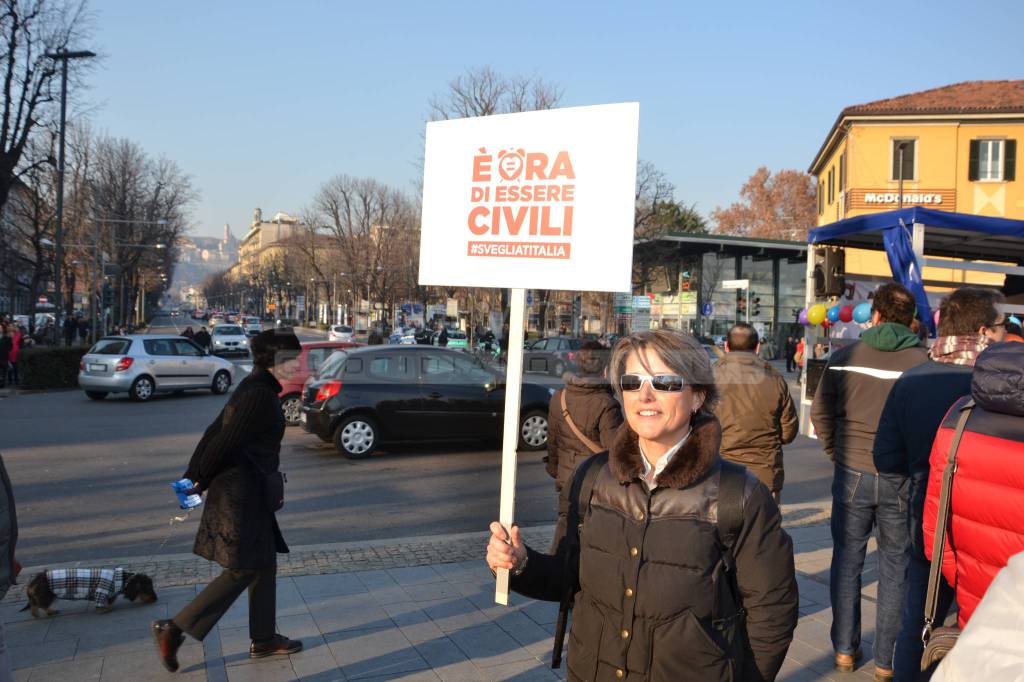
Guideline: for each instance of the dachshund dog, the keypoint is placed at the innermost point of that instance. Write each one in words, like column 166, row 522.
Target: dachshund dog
column 101, row 586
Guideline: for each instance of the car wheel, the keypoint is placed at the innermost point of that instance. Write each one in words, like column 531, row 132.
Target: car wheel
column 559, row 368
column 142, row 389
column 96, row 395
column 533, row 430
column 291, row 406
column 356, row 437
column 221, row 383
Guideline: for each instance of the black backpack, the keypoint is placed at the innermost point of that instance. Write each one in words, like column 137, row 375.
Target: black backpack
column 729, row 621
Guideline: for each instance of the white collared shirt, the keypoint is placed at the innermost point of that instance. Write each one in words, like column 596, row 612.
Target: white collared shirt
column 651, row 473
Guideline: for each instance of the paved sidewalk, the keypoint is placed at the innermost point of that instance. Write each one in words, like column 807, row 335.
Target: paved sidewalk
column 401, row 614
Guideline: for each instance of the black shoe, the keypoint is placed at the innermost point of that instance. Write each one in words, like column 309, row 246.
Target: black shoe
column 278, row 645
column 168, row 640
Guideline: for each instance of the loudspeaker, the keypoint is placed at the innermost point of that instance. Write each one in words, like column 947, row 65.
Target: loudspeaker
column 829, row 271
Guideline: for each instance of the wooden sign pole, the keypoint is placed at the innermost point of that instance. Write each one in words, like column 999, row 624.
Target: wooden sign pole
column 510, row 432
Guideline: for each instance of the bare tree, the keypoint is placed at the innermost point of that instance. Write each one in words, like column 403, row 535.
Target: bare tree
column 31, row 80
column 484, row 92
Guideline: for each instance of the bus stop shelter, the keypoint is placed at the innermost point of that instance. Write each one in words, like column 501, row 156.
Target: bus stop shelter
column 912, row 239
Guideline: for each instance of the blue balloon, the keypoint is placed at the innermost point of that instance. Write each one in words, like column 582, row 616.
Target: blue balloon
column 833, row 314
column 862, row 313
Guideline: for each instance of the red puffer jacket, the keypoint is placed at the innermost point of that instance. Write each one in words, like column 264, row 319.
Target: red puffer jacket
column 986, row 525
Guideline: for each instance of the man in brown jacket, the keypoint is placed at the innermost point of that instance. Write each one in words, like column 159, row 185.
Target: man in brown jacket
column 755, row 409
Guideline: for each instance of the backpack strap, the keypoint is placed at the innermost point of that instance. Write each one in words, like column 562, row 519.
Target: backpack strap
column 591, row 445
column 732, row 481
column 580, row 492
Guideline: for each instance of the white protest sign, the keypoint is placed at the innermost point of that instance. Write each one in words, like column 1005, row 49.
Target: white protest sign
column 537, row 200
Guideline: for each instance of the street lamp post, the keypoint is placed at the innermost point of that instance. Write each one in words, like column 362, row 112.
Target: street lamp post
column 62, row 55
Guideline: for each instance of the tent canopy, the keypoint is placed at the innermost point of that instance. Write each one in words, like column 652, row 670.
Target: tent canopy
column 958, row 235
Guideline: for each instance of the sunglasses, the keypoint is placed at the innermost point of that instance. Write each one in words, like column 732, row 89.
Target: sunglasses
column 662, row 383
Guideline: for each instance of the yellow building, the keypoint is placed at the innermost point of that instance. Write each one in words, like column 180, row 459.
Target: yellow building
column 959, row 153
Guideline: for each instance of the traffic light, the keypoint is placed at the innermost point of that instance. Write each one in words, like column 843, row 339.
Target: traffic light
column 755, row 305
column 108, row 295
column 741, row 305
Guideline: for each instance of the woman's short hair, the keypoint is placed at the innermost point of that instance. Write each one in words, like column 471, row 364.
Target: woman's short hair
column 683, row 353
column 592, row 358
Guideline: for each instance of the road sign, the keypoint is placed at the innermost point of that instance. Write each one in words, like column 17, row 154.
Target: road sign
column 529, row 298
column 735, row 283
column 707, row 310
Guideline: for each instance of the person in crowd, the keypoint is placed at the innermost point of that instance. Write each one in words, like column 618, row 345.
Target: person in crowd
column 9, row 566
column 238, row 529
column 847, row 406
column 987, row 498
column 442, row 337
column 83, row 330
column 188, row 333
column 12, row 357
column 790, row 350
column 1013, row 330
column 70, row 328
column 202, row 337
column 821, row 351
column 798, row 358
column 6, row 346
column 969, row 320
column 648, row 549
column 755, row 409
column 591, row 412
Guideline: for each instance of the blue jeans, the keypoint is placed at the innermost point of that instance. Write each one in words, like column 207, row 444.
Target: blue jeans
column 909, row 647
column 862, row 501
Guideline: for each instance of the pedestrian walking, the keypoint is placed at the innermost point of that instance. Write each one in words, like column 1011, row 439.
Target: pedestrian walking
column 442, row 337
column 6, row 346
column 987, row 495
column 583, row 419
column 755, row 408
column 12, row 358
column 790, row 350
column 202, row 337
column 846, row 410
column 188, row 333
column 968, row 323
column 236, row 464
column 798, row 359
column 653, row 597
column 83, row 330
column 70, row 329
column 9, row 566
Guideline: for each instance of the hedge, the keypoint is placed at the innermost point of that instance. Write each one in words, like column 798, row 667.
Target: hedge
column 42, row 367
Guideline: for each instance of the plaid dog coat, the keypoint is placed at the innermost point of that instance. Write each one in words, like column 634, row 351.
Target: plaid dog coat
column 101, row 585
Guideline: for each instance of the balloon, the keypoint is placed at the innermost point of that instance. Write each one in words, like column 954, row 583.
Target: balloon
column 862, row 313
column 833, row 314
column 816, row 314
column 826, row 324
column 802, row 319
column 846, row 313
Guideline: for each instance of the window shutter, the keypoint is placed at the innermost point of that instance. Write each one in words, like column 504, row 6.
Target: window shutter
column 1010, row 160
column 972, row 164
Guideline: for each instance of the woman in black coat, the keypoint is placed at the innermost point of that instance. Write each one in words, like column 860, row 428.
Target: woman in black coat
column 238, row 529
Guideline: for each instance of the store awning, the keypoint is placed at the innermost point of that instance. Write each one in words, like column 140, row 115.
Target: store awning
column 957, row 235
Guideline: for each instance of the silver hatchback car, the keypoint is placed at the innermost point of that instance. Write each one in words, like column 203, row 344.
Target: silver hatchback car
column 144, row 364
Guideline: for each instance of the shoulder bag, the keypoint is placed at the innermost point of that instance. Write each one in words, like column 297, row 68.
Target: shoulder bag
column 591, row 445
column 939, row 641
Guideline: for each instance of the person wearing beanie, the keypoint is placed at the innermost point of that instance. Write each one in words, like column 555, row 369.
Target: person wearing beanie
column 238, row 530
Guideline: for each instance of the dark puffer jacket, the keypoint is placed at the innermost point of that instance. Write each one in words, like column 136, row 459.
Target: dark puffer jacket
column 238, row 529
column 594, row 411
column 646, row 567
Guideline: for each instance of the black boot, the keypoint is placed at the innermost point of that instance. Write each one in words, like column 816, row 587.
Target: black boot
column 168, row 638
column 278, row 645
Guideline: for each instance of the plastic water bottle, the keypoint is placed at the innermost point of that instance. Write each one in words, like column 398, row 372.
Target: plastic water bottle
column 186, row 501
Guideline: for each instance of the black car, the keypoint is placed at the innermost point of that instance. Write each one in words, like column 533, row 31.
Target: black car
column 415, row 393
column 553, row 355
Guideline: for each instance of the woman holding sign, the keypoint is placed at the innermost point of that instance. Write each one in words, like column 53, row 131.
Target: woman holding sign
column 681, row 569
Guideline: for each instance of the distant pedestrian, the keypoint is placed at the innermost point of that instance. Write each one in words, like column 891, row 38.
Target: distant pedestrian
column 202, row 337
column 12, row 357
column 799, row 358
column 70, row 329
column 188, row 333
column 663, row 518
column 6, row 346
column 583, row 419
column 237, row 456
column 755, row 408
column 9, row 566
column 968, row 323
column 790, row 350
column 442, row 337
column 83, row 330
column 846, row 410
column 987, row 510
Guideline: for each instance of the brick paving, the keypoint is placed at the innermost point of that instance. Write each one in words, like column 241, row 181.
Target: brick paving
column 391, row 610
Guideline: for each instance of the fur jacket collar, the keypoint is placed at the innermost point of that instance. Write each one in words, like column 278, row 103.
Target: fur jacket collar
column 698, row 454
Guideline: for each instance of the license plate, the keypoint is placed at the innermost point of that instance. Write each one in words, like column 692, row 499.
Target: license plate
column 302, row 417
column 97, row 368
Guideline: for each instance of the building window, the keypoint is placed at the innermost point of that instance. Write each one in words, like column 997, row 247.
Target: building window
column 909, row 154
column 831, row 184
column 993, row 160
column 821, row 192
column 842, row 172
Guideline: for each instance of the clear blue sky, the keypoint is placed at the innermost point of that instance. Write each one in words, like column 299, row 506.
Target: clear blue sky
column 260, row 102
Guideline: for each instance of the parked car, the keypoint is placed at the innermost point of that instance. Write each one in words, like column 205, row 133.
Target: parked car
column 287, row 322
column 378, row 394
column 229, row 339
column 252, row 325
column 554, row 355
column 310, row 360
column 143, row 365
column 340, row 332
column 217, row 319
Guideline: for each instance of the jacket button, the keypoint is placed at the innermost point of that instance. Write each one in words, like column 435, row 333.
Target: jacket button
column 639, row 516
column 633, row 551
column 629, row 591
column 625, row 634
column 620, row 673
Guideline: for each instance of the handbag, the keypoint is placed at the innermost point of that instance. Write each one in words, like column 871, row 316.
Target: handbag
column 591, row 445
column 939, row 641
column 273, row 489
